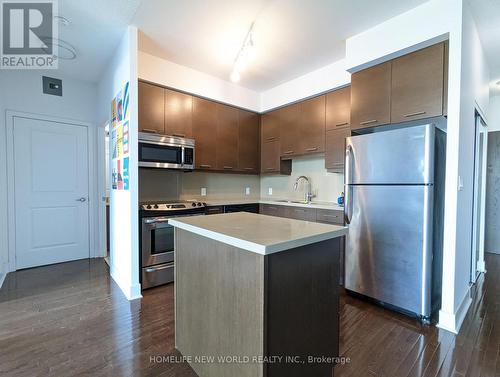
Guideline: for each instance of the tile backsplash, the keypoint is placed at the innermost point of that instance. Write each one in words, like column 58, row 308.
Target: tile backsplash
column 326, row 186
column 159, row 184
column 220, row 186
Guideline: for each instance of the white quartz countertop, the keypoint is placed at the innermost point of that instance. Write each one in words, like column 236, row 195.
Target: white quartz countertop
column 283, row 202
column 258, row 233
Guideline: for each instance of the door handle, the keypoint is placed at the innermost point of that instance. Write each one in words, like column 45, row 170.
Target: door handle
column 348, row 187
column 82, row 199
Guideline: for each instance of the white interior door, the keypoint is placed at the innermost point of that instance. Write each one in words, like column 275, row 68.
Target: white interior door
column 51, row 192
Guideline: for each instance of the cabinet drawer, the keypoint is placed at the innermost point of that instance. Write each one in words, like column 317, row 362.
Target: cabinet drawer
column 330, row 216
column 214, row 210
column 299, row 213
column 272, row 210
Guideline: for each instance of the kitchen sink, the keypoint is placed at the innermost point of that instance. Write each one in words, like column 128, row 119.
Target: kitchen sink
column 292, row 201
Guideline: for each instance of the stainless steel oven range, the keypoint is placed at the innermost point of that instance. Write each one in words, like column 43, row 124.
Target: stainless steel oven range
column 157, row 239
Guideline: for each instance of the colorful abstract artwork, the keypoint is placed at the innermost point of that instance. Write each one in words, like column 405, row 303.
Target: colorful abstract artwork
column 120, row 140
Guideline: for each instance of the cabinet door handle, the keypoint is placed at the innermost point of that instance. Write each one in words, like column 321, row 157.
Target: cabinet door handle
column 287, row 152
column 149, row 130
column 414, row 114
column 311, row 149
column 369, row 122
column 205, row 166
column 342, row 124
column 228, row 167
column 179, row 135
column 271, row 138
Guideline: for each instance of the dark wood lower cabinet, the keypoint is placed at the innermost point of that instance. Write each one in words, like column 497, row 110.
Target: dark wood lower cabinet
column 306, row 279
column 301, row 213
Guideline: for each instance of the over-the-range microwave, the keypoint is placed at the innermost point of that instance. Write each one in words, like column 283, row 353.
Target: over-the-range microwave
column 165, row 152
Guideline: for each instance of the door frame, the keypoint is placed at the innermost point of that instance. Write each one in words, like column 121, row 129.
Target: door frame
column 92, row 181
column 478, row 224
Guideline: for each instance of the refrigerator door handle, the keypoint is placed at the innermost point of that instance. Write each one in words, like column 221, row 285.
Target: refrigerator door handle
column 348, row 187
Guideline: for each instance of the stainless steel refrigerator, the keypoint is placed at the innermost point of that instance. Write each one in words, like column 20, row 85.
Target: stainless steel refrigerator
column 394, row 184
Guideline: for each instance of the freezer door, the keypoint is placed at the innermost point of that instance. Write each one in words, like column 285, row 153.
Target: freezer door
column 389, row 245
column 401, row 156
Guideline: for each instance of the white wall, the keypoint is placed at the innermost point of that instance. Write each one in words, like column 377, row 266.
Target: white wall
column 422, row 26
column 326, row 186
column 494, row 113
column 164, row 72
column 474, row 94
column 22, row 91
column 124, row 231
column 321, row 80
column 467, row 79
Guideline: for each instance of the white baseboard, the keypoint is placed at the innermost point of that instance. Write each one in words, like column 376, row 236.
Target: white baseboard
column 481, row 266
column 131, row 292
column 453, row 321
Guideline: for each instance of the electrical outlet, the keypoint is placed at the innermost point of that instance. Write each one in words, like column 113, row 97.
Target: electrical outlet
column 269, row 191
column 247, row 190
column 203, row 191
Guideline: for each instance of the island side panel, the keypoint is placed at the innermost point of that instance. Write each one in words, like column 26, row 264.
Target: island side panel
column 302, row 306
column 219, row 304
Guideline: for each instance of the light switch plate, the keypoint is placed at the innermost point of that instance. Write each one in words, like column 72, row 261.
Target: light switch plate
column 269, row 191
column 203, row 191
column 247, row 190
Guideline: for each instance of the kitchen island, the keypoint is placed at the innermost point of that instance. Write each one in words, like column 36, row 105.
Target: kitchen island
column 257, row 295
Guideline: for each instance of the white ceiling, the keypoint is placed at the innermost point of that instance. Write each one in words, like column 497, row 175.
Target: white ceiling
column 486, row 14
column 292, row 37
column 95, row 29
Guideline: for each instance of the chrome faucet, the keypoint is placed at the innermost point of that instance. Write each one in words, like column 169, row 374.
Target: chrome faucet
column 308, row 195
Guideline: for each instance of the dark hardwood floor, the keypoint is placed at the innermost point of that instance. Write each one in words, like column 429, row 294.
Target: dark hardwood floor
column 71, row 319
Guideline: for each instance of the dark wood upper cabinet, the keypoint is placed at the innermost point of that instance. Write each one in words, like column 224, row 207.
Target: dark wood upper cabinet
column 417, row 84
column 270, row 157
column 178, row 114
column 271, row 126
column 204, row 133
column 445, row 78
column 312, row 126
column 289, row 129
column 338, row 109
column 227, row 138
column 248, row 141
column 335, row 149
column 151, row 108
column 371, row 96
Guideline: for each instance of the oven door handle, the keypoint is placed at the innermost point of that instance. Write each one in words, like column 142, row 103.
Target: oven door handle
column 157, row 220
